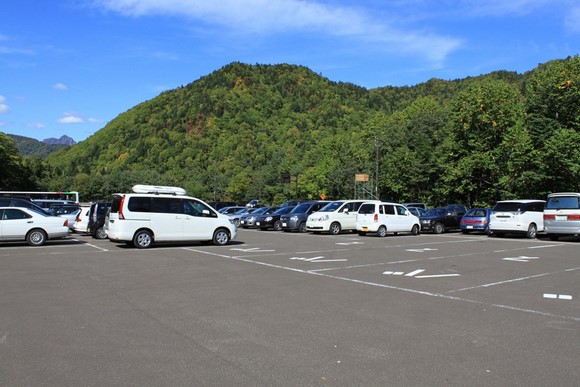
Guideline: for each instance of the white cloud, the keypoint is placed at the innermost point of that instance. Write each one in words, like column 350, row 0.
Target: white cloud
column 290, row 16
column 70, row 118
column 3, row 106
column 36, row 125
column 60, row 86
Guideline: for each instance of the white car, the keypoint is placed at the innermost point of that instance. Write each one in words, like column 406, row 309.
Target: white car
column 82, row 220
column 164, row 214
column 34, row 227
column 335, row 217
column 383, row 218
column 518, row 217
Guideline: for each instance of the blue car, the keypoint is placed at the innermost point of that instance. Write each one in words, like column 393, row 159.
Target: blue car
column 476, row 219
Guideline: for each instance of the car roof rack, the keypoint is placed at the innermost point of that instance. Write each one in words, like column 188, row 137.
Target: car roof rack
column 158, row 189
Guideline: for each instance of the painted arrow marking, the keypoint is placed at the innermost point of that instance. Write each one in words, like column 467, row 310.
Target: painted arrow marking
column 419, row 271
column 421, row 250
column 521, row 258
column 317, row 259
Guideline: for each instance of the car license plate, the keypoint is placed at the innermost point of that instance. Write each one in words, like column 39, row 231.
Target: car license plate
column 257, row 223
column 469, row 227
column 284, row 225
column 561, row 217
column 365, row 229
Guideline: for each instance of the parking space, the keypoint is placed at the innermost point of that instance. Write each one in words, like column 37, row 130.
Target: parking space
column 276, row 308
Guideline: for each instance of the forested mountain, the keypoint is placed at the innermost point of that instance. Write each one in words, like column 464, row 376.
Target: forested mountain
column 31, row 147
column 233, row 133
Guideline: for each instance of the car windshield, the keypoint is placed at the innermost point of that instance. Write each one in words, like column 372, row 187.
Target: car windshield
column 260, row 210
column 476, row 212
column 283, row 210
column 301, row 208
column 331, row 207
column 563, row 202
column 435, row 212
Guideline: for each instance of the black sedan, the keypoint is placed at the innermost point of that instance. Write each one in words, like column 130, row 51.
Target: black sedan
column 268, row 221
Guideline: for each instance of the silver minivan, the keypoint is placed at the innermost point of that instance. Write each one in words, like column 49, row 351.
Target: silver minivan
column 562, row 215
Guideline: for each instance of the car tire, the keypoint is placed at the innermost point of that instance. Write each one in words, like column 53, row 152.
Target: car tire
column 143, row 239
column 36, row 237
column 101, row 233
column 438, row 228
column 221, row 237
column 532, row 232
column 302, row 227
column 382, row 231
column 335, row 228
column 277, row 226
column 415, row 230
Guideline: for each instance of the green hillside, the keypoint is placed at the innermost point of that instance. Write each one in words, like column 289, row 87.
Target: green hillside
column 233, row 133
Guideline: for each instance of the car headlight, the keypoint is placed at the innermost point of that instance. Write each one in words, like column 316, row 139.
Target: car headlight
column 323, row 218
column 425, row 221
column 294, row 218
column 269, row 218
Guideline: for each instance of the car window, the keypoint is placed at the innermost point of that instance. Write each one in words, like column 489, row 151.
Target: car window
column 389, row 209
column 166, row 205
column 507, row 207
column 367, row 209
column 563, row 202
column 13, row 213
column 330, row 207
column 195, row 208
column 402, row 210
column 139, row 204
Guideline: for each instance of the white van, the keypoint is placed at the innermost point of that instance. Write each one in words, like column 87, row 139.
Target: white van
column 142, row 219
column 517, row 217
column 562, row 215
column 335, row 217
column 384, row 217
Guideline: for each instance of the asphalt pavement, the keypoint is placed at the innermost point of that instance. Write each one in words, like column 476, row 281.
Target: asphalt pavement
column 292, row 309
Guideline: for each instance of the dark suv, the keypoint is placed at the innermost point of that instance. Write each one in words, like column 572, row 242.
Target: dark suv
column 97, row 214
column 442, row 219
column 295, row 220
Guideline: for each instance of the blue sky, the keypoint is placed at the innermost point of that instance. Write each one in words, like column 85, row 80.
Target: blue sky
column 67, row 67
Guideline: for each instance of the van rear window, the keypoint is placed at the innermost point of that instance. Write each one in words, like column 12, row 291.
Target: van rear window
column 139, row 204
column 563, row 203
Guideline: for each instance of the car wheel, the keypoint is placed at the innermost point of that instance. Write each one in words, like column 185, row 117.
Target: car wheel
column 487, row 231
column 277, row 226
column 438, row 228
column 143, row 239
column 302, row 227
column 382, row 231
column 415, row 229
column 101, row 233
column 221, row 237
column 532, row 231
column 36, row 237
column 335, row 228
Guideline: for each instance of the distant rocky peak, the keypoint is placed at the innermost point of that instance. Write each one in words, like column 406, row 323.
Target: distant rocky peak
column 63, row 140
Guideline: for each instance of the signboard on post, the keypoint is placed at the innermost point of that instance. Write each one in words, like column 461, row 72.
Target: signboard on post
column 361, row 177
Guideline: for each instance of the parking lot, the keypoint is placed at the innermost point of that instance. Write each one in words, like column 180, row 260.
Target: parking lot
column 292, row 309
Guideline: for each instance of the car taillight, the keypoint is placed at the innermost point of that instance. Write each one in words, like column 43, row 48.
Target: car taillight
column 549, row 217
column 574, row 217
column 121, row 216
column 65, row 224
column 376, row 218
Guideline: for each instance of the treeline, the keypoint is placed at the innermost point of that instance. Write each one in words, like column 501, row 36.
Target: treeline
column 233, row 134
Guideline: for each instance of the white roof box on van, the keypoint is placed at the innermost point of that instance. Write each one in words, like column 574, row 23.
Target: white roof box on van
column 158, row 189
